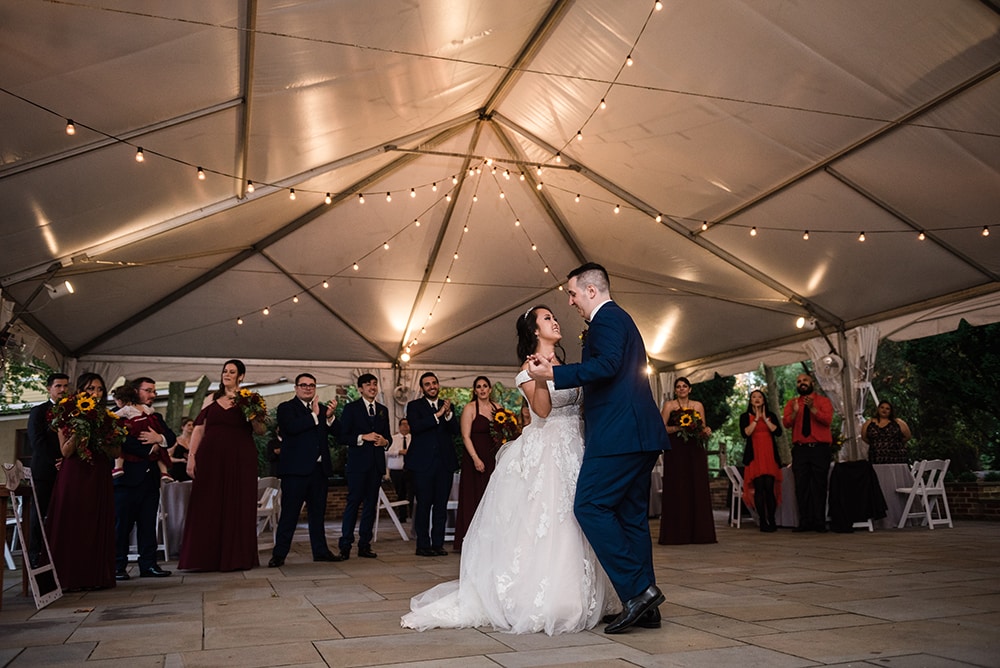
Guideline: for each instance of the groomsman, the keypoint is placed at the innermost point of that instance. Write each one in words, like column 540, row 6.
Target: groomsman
column 44, row 454
column 304, row 468
column 365, row 430
column 431, row 457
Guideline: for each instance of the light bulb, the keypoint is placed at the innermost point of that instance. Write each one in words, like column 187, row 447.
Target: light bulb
column 70, row 128
column 558, row 157
column 753, row 231
column 413, row 192
column 356, row 267
column 538, row 186
column 447, row 197
column 239, row 321
column 404, row 358
column 434, row 187
column 447, row 279
column 455, row 256
column 800, row 322
column 250, row 187
column 628, row 61
column 385, row 246
column 577, row 198
column 921, row 236
column 361, row 198
column 538, row 170
column 503, row 195
column 604, row 105
column 986, row 231
column 266, row 311
column 139, row 157
column 388, row 197
column 506, row 174
column 291, row 194
column 657, row 5
column 521, row 177
column 328, row 199
column 454, row 180
column 534, row 247
column 805, row 235
column 472, row 172
column 326, row 284
column 201, row 174
column 618, row 209
column 475, row 198
column 295, row 299
column 546, row 270
column 478, row 170
column 416, row 222
column 704, row 226
column 579, row 135
column 465, row 229
column 517, row 223
column 658, row 218
column 861, row 237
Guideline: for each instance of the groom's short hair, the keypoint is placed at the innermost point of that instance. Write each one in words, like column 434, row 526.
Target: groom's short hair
column 592, row 273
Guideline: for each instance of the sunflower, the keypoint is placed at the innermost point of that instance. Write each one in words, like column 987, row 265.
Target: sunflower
column 85, row 403
column 245, row 392
column 500, row 417
column 686, row 420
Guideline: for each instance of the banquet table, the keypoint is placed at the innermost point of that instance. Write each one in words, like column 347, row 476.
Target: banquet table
column 890, row 476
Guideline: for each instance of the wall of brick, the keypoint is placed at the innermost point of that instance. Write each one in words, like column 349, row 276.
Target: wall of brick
column 974, row 500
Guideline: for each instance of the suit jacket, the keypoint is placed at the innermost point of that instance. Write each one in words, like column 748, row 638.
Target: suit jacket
column 44, row 443
column 431, row 443
column 303, row 441
column 138, row 462
column 354, row 422
column 620, row 414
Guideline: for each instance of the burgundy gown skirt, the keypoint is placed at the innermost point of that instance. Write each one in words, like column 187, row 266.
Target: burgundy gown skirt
column 220, row 531
column 686, row 513
column 472, row 483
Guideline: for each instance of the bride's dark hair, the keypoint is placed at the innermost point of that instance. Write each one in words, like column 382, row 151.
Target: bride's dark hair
column 527, row 340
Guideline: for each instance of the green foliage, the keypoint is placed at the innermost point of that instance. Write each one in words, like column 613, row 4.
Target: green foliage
column 18, row 377
column 992, row 476
column 715, row 396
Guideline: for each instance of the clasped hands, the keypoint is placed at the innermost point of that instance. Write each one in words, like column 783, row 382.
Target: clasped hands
column 540, row 366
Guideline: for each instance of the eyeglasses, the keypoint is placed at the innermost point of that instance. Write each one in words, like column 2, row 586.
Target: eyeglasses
column 306, row 385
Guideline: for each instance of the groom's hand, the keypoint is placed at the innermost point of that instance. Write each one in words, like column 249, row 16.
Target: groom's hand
column 539, row 368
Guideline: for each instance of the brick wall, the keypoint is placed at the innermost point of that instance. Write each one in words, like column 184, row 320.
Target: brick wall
column 974, row 500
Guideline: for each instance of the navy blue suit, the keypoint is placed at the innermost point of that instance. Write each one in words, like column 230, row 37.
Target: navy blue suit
column 364, row 470
column 137, row 497
column 431, row 457
column 305, row 469
column 44, row 454
column 623, row 435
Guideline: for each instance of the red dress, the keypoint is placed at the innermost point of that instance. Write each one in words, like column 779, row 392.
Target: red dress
column 472, row 483
column 220, row 531
column 763, row 463
column 80, row 524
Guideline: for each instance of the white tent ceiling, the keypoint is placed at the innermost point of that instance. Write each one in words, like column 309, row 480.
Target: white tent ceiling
column 837, row 118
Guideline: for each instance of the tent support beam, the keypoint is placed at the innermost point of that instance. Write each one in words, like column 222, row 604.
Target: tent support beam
column 246, row 85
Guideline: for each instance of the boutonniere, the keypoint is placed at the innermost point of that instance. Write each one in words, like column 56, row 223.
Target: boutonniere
column 583, row 336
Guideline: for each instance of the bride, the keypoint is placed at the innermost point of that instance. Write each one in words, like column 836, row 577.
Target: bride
column 526, row 566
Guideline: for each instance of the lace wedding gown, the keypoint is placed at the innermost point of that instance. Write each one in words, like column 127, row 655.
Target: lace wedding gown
column 526, row 566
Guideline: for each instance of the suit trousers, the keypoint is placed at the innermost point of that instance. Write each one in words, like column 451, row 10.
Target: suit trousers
column 612, row 507
column 136, row 506
column 312, row 490
column 431, row 489
column 362, row 491
column 811, row 468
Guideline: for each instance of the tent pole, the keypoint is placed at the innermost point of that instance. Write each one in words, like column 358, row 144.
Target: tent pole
column 850, row 428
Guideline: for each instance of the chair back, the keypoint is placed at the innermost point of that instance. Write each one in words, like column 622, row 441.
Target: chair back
column 932, row 473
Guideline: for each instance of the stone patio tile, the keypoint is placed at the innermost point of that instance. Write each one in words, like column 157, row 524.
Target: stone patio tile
column 901, row 608
column 528, row 642
column 414, row 646
column 31, row 633
column 256, row 622
column 610, row 654
column 77, row 654
column 671, row 638
column 833, row 621
column 362, row 624
column 155, row 638
column 289, row 654
column 922, row 661
column 728, row 657
column 725, row 626
column 119, row 614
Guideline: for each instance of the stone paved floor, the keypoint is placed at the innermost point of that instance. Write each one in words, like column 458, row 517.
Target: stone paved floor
column 896, row 598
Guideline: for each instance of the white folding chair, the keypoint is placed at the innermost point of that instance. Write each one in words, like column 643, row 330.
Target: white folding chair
column 268, row 509
column 12, row 547
column 928, row 485
column 390, row 507
column 736, row 505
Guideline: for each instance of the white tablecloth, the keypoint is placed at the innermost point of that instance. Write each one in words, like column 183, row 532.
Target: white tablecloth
column 890, row 476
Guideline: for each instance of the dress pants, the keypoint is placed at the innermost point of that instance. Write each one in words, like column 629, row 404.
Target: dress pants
column 811, row 468
column 137, row 506
column 362, row 491
column 431, row 489
column 312, row 490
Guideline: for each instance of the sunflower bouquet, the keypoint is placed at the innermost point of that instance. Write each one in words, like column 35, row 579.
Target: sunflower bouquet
column 251, row 404
column 95, row 427
column 689, row 424
column 504, row 427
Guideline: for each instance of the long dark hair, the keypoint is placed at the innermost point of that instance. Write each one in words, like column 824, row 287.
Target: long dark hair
column 85, row 379
column 892, row 410
column 764, row 405
column 241, row 370
column 527, row 339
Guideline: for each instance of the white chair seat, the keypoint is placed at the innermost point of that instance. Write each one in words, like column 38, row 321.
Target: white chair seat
column 268, row 509
column 736, row 505
column 928, row 486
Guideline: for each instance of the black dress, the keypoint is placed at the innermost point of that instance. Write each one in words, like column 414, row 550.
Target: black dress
column 472, row 483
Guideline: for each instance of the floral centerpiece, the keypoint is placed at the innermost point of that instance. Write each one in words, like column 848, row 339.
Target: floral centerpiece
column 689, row 424
column 504, row 427
column 95, row 427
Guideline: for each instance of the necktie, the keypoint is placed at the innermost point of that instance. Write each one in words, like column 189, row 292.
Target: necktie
column 435, row 405
column 806, row 421
column 404, row 443
column 371, row 410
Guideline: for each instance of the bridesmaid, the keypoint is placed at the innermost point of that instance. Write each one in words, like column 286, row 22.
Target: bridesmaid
column 220, row 532
column 480, row 455
column 686, row 515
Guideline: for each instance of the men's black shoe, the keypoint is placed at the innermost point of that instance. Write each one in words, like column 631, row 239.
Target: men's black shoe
column 649, row 620
column 635, row 608
column 276, row 562
column 121, row 575
column 153, row 572
column 329, row 556
column 366, row 552
column 439, row 551
column 345, row 555
column 425, row 552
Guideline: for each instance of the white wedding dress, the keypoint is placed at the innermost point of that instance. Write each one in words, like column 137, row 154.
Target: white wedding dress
column 526, row 566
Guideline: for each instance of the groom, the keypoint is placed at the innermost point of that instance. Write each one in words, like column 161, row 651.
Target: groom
column 624, row 435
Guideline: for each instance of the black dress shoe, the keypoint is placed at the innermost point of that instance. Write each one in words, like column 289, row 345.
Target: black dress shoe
column 425, row 552
column 366, row 552
column 276, row 562
column 329, row 556
column 439, row 551
column 635, row 608
column 122, row 575
column 153, row 572
column 649, row 620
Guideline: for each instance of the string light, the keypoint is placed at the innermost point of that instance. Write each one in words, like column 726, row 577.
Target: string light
column 617, row 208
column 577, row 198
column 503, row 195
column 250, row 187
column 986, row 231
column 413, row 192
column 472, row 172
column 558, row 157
column 454, row 180
column 657, row 5
column 538, row 170
column 628, row 61
column 861, row 237
column 465, row 229
column 538, row 186
column 921, row 236
column 534, row 247
column 239, row 321
column 385, row 246
column 447, row 197
column 355, row 267
column 388, row 197
column 753, row 231
column 478, row 170
column 266, row 311
column 201, row 174
column 704, row 226
column 604, row 105
column 434, row 187
column 805, row 235
column 361, row 198
column 416, row 222
column 455, row 256
column 326, row 284
column 658, row 218
column 546, row 270
column 70, row 128
column 521, row 177
column 517, row 223
column 328, row 199
column 295, row 299
column 475, row 198
column 291, row 194
column 139, row 157
column 506, row 174
column 579, row 134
